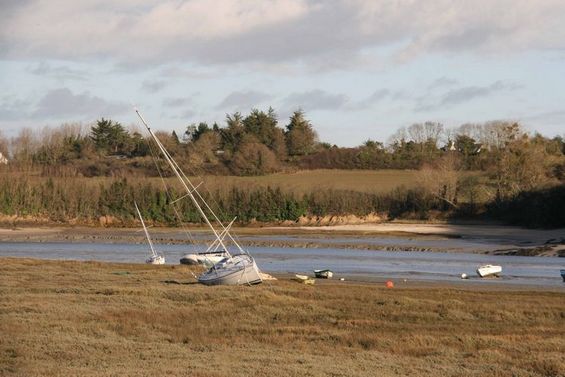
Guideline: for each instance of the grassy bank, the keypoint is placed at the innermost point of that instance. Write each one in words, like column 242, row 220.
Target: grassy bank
column 87, row 318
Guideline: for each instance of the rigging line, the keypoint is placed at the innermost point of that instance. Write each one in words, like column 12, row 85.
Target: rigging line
column 183, row 177
column 216, row 218
column 167, row 191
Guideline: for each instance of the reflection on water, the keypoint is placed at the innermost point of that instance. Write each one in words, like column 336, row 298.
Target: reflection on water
column 543, row 271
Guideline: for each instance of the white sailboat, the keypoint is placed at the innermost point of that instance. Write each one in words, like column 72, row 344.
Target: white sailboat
column 154, row 258
column 238, row 266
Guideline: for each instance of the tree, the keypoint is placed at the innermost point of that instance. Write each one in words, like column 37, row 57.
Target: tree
column 262, row 125
column 110, row 137
column 233, row 133
column 522, row 165
column 441, row 179
column 194, row 132
column 253, row 158
column 467, row 147
column 3, row 145
column 300, row 136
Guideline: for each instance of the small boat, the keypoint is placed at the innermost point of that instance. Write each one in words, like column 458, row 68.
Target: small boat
column 207, row 259
column 563, row 275
column 154, row 258
column 323, row 274
column 489, row 270
column 304, row 279
column 212, row 255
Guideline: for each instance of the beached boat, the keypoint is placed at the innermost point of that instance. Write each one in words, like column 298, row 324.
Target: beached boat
column 203, row 258
column 238, row 266
column 563, row 275
column 154, row 258
column 323, row 274
column 489, row 270
column 304, row 279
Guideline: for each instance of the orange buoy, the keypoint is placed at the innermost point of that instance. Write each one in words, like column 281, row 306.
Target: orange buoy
column 389, row 284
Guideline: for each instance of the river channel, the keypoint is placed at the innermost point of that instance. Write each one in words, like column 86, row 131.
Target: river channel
column 347, row 263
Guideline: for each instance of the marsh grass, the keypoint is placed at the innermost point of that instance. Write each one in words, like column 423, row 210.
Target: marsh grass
column 89, row 318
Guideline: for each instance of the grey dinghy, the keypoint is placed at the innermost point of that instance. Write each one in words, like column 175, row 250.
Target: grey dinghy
column 238, row 267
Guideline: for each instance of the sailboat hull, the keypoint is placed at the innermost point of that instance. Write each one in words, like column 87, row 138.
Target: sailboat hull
column 239, row 270
column 206, row 259
column 156, row 259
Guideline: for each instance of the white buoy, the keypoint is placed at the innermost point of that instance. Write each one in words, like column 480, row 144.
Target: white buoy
column 464, row 276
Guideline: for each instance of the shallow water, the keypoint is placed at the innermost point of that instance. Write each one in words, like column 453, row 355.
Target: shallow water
column 348, row 263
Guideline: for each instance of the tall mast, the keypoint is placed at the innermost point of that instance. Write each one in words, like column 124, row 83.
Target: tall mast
column 146, row 232
column 189, row 191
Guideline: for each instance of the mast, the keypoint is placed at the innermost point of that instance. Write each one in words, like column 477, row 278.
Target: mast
column 146, row 232
column 190, row 192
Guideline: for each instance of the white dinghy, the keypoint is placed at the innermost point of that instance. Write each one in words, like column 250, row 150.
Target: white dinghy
column 238, row 266
column 154, row 258
column 489, row 270
column 211, row 256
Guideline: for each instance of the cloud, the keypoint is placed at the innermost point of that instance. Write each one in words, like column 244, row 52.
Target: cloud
column 230, row 31
column 442, row 82
column 153, row 86
column 552, row 121
column 465, row 94
column 13, row 109
column 452, row 97
column 376, row 97
column 176, row 102
column 243, row 100
column 62, row 102
column 315, row 100
column 57, row 72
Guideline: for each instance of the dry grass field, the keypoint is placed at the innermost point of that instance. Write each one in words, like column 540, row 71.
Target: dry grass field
column 304, row 181
column 100, row 319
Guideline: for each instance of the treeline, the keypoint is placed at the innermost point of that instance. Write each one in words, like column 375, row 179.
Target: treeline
column 256, row 144
column 470, row 171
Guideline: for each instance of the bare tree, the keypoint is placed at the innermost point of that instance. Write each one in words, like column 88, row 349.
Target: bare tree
column 442, row 178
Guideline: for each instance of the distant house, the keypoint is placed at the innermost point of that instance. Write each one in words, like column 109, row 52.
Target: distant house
column 3, row 160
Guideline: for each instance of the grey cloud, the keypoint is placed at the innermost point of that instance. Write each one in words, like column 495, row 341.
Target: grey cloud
column 377, row 96
column 59, row 72
column 13, row 109
column 243, row 100
column 442, row 82
column 153, row 86
column 472, row 37
column 177, row 102
column 315, row 100
column 468, row 93
column 553, row 120
column 433, row 100
column 187, row 114
column 62, row 103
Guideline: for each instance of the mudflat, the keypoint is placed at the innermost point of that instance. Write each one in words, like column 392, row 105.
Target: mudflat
column 497, row 239
column 60, row 318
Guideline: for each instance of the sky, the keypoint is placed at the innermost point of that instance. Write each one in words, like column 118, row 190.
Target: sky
column 360, row 69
